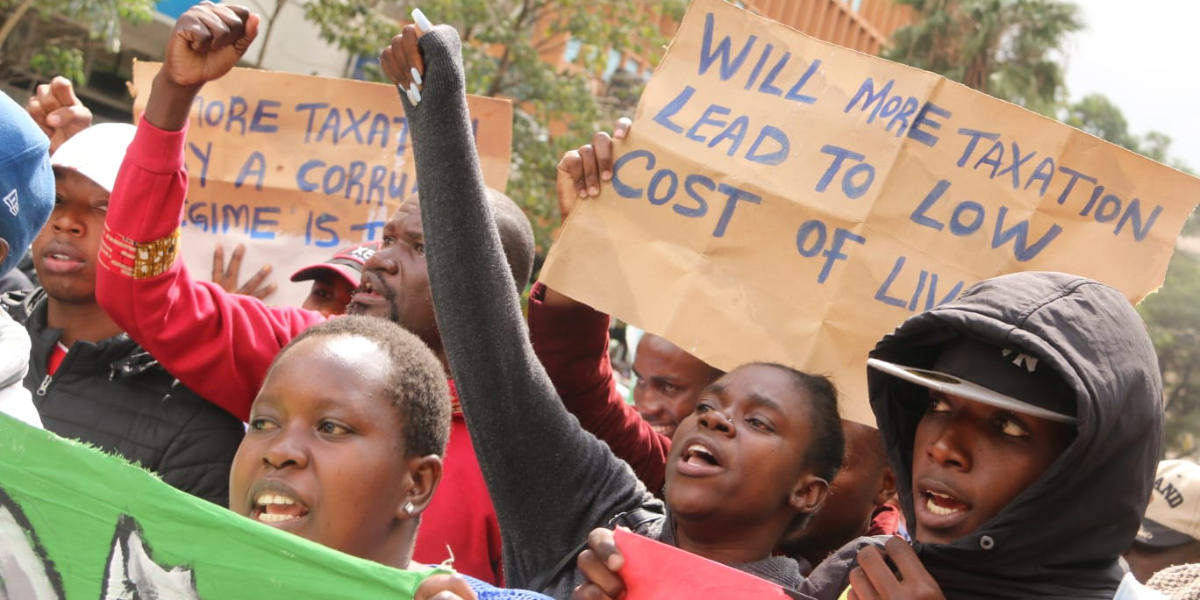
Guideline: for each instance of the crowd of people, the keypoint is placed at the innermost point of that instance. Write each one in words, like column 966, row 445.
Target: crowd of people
column 1019, row 425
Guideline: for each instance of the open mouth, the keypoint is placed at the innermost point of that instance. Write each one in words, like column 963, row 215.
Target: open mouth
column 943, row 505
column 368, row 291
column 699, row 455
column 274, row 508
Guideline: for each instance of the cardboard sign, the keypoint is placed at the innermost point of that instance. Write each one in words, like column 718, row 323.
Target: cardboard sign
column 77, row 523
column 781, row 198
column 296, row 167
column 656, row 571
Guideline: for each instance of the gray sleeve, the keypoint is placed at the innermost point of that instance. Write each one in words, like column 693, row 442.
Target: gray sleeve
column 550, row 481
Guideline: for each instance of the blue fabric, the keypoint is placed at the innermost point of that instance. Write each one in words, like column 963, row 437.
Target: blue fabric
column 26, row 181
column 487, row 591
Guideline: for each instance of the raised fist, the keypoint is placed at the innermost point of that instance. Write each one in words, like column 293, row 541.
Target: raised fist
column 207, row 42
column 56, row 109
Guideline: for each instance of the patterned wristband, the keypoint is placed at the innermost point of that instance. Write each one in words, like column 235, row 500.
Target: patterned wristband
column 138, row 260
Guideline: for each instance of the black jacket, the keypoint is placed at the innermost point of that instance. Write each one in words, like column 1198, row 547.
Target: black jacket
column 114, row 395
column 1062, row 536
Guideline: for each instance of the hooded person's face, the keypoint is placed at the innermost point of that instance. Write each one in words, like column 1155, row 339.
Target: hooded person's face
column 971, row 459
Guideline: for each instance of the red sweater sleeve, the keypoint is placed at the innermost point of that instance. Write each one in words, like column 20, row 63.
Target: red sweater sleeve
column 572, row 344
column 218, row 344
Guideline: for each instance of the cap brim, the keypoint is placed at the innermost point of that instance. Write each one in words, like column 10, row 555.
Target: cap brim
column 1158, row 536
column 956, row 386
column 314, row 271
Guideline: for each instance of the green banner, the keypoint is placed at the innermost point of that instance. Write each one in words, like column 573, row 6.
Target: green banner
column 76, row 523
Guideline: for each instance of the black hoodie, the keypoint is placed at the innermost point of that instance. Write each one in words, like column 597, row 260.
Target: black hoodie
column 1060, row 537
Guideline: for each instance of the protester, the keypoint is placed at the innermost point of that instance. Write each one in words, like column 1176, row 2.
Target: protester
column 220, row 344
column 334, row 281
column 346, row 442
column 1170, row 531
column 27, row 194
column 1029, row 393
column 669, row 381
column 857, row 503
column 90, row 381
column 755, row 455
column 570, row 339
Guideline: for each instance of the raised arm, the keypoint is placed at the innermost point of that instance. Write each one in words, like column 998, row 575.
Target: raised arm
column 571, row 341
column 217, row 344
column 550, row 481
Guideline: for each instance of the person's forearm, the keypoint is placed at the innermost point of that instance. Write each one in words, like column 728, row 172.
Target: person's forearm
column 571, row 341
column 170, row 103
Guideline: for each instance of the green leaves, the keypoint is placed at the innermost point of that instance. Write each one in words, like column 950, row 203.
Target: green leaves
column 53, row 37
column 1173, row 317
column 519, row 49
column 1007, row 48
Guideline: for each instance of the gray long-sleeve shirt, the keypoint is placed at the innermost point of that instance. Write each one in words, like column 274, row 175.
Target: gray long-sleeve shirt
column 550, row 481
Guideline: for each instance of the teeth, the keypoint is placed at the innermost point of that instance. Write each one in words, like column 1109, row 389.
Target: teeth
column 662, row 429
column 60, row 257
column 944, row 496
column 939, row 510
column 269, row 498
column 270, row 518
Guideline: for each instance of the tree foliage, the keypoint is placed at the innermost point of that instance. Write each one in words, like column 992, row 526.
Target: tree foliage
column 1173, row 317
column 1006, row 48
column 506, row 47
column 52, row 37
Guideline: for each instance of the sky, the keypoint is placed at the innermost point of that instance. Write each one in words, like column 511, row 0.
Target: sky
column 1145, row 56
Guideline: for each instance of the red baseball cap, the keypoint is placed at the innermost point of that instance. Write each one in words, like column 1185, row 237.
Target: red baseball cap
column 347, row 263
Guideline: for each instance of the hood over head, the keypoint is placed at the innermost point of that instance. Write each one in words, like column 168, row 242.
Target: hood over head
column 1062, row 535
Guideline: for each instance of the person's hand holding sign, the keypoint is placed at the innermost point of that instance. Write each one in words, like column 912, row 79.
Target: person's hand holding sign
column 600, row 564
column 581, row 171
column 205, row 44
column 873, row 579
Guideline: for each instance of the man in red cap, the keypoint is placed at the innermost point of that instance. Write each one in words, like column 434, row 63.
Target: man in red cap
column 334, row 280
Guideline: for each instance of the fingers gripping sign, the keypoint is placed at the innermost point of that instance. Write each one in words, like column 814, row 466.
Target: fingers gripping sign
column 874, row 578
column 581, row 171
column 600, row 564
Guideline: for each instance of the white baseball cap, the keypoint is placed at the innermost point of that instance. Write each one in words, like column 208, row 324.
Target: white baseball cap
column 96, row 152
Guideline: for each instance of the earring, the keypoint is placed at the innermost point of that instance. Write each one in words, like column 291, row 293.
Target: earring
column 409, row 508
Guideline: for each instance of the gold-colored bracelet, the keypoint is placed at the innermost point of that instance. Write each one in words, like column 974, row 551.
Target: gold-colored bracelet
column 138, row 260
